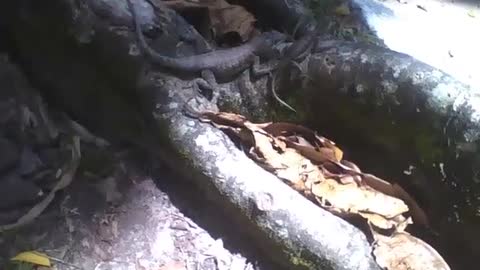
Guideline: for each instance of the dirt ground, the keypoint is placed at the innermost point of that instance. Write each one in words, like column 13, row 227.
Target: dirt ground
column 117, row 213
column 134, row 222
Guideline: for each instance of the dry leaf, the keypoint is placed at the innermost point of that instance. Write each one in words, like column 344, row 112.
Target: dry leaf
column 288, row 129
column 321, row 155
column 313, row 165
column 351, row 198
column 286, row 163
column 351, row 165
column 231, row 18
column 305, row 139
column 419, row 216
column 221, row 118
column 402, row 251
column 338, row 153
column 224, row 17
column 397, row 223
column 347, row 178
column 33, row 257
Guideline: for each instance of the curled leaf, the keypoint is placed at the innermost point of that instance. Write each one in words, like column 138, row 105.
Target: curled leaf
column 223, row 16
column 404, row 251
column 33, row 257
column 351, row 198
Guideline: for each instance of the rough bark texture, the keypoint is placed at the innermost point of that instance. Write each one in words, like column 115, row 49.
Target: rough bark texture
column 290, row 229
column 404, row 121
column 296, row 18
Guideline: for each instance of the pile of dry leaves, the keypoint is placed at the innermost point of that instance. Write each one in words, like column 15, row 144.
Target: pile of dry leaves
column 314, row 166
column 222, row 16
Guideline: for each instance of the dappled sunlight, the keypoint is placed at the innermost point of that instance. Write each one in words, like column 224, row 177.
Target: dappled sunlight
column 440, row 33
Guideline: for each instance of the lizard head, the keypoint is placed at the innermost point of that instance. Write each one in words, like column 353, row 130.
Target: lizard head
column 274, row 37
column 266, row 43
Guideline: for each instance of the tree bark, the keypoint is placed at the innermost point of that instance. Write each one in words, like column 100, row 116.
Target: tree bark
column 405, row 121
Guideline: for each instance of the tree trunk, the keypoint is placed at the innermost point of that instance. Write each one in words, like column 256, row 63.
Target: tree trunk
column 405, row 122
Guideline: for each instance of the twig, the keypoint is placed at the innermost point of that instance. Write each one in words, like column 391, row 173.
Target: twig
column 274, row 93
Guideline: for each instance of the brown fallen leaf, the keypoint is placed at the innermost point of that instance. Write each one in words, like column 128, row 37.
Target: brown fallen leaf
column 339, row 168
column 221, row 118
column 351, row 165
column 418, row 215
column 232, row 18
column 313, row 165
column 224, row 17
column 397, row 223
column 357, row 199
column 303, row 138
column 347, row 178
column 285, row 162
column 402, row 251
column 297, row 139
column 288, row 129
column 319, row 155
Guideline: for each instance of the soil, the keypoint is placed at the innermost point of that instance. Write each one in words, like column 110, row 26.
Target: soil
column 133, row 222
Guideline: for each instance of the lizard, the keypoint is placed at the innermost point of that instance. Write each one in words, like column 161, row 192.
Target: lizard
column 222, row 64
column 298, row 50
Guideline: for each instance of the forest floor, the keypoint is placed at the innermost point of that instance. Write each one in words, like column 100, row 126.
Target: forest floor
column 133, row 222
